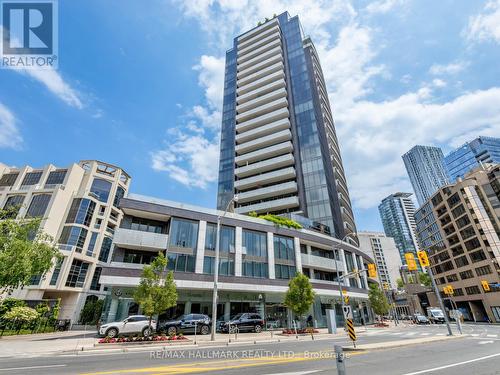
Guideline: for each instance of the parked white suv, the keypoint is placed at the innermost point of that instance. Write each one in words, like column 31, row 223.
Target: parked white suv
column 132, row 325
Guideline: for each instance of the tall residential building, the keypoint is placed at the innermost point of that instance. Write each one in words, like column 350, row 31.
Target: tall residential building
column 472, row 154
column 78, row 205
column 279, row 150
column 397, row 213
column 385, row 253
column 425, row 168
column 459, row 226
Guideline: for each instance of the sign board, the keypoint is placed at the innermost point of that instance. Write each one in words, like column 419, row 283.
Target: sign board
column 347, row 312
column 410, row 261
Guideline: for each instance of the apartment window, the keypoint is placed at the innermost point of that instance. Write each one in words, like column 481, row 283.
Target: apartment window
column 349, row 261
column 181, row 262
column 38, row 205
column 14, row 202
column 56, row 177
column 467, row 233
column 496, row 312
column 105, row 249
column 324, row 275
column 120, row 192
column 74, row 236
column 485, row 270
column 458, row 211
column 184, row 233
column 57, row 271
column 458, row 292
column 322, row 253
column 81, row 211
column 100, row 189
column 353, row 282
column 463, row 221
column 31, row 178
column 226, row 266
column 457, row 250
column 146, row 225
column 255, row 269
column 453, row 200
column 466, row 275
column 255, row 243
column 90, row 247
column 472, row 244
column 94, row 284
column 284, row 248
column 447, row 266
column 472, row 290
column 451, row 278
column 462, row 261
column 77, row 274
column 477, row 256
column 8, row 179
column 303, row 249
column 226, row 238
column 138, row 257
column 283, row 271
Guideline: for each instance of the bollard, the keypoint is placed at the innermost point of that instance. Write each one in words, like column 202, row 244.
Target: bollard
column 195, row 329
column 340, row 359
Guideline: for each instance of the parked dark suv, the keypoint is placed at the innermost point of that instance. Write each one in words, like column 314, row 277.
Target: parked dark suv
column 243, row 322
column 186, row 324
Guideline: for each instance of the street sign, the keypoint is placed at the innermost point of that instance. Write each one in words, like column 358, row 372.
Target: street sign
column 347, row 312
column 486, row 285
column 410, row 261
column 372, row 270
column 350, row 330
column 422, row 257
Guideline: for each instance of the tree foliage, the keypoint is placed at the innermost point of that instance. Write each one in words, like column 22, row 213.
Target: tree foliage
column 9, row 303
column 399, row 282
column 300, row 295
column 21, row 315
column 157, row 290
column 378, row 300
column 25, row 251
column 91, row 312
column 278, row 220
column 425, row 279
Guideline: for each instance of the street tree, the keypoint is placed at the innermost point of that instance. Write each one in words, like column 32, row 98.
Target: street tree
column 425, row 279
column 378, row 300
column 25, row 250
column 20, row 316
column 156, row 291
column 300, row 295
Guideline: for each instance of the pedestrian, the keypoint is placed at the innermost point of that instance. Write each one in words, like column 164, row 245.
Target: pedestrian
column 310, row 321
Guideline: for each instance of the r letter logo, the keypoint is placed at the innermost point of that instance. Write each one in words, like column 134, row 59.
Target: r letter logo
column 29, row 37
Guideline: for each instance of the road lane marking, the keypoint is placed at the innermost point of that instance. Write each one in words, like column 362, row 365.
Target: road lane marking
column 485, row 342
column 425, row 334
column 411, row 334
column 493, row 336
column 474, row 334
column 30, row 367
column 295, row 373
column 453, row 364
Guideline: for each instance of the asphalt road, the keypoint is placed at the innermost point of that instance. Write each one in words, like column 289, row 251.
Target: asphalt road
column 478, row 353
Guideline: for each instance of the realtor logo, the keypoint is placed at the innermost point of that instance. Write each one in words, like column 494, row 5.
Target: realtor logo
column 29, row 34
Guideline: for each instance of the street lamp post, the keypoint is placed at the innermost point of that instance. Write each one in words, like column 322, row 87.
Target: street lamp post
column 337, row 269
column 216, row 270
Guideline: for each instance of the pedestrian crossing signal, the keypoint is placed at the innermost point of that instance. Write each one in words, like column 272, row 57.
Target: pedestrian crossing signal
column 372, row 270
column 410, row 261
column 486, row 285
column 448, row 290
column 423, row 259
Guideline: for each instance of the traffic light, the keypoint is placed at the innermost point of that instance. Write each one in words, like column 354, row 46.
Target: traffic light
column 448, row 290
column 423, row 259
column 410, row 261
column 486, row 285
column 372, row 270
column 386, row 286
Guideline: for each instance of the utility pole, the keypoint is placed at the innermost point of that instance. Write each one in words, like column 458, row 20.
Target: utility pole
column 440, row 300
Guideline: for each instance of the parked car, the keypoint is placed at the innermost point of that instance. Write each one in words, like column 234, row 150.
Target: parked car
column 132, row 325
column 186, row 324
column 435, row 315
column 244, row 322
column 421, row 319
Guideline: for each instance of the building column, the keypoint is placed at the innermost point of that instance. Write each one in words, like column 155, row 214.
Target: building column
column 113, row 308
column 298, row 257
column 187, row 307
column 238, row 250
column 227, row 311
column 200, row 249
column 270, row 255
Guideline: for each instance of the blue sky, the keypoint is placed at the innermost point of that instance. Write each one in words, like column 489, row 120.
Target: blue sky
column 139, row 84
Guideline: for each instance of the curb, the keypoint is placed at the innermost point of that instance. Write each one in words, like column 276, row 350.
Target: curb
column 399, row 343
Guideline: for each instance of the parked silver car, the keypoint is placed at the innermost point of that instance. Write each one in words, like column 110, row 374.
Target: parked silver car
column 132, row 325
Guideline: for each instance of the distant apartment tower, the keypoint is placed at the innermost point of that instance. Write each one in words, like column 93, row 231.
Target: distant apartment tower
column 397, row 213
column 459, row 226
column 425, row 168
column 471, row 155
column 279, row 150
column 78, row 206
column 385, row 253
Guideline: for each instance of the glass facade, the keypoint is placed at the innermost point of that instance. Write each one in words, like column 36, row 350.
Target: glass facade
column 31, row 178
column 14, row 202
column 226, row 238
column 100, row 189
column 38, row 205
column 81, row 211
column 470, row 155
column 183, row 233
column 284, row 248
column 56, row 177
column 105, row 249
column 255, row 243
column 77, row 274
column 74, row 236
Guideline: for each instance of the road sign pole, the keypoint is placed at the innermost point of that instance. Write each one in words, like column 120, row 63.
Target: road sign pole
column 440, row 300
column 340, row 359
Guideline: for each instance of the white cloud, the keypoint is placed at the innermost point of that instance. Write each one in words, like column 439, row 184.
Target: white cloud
column 383, row 6
column 9, row 133
column 448, row 69
column 485, row 25
column 438, row 83
column 54, row 82
column 211, row 77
